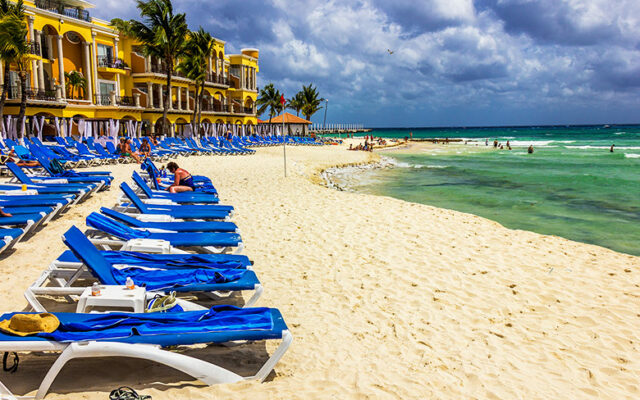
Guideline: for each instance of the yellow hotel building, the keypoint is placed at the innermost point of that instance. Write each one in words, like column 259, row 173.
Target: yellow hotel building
column 122, row 84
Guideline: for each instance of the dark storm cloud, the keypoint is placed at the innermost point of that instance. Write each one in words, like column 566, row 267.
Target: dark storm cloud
column 551, row 21
column 454, row 62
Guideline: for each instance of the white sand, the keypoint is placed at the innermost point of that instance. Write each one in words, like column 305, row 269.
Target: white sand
column 385, row 299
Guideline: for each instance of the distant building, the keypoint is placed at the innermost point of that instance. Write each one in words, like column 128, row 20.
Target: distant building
column 122, row 84
column 293, row 125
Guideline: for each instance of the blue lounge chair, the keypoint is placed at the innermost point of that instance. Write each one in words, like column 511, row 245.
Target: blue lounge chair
column 144, row 335
column 154, row 278
column 187, row 226
column 78, row 177
column 183, row 197
column 9, row 237
column 23, row 178
column 183, row 212
column 211, row 242
column 29, row 222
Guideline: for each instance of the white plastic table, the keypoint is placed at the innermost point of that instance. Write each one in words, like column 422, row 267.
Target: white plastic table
column 113, row 296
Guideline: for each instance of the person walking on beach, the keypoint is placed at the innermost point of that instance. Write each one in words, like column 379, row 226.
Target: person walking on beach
column 530, row 149
column 611, row 149
column 182, row 179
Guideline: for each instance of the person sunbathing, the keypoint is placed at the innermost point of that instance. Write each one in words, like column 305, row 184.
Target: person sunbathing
column 145, row 148
column 5, row 158
column 4, row 214
column 124, row 149
column 182, row 182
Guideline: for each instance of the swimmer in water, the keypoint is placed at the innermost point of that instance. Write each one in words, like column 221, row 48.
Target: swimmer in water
column 530, row 149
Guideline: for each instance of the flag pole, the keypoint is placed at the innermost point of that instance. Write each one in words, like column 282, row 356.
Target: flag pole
column 284, row 137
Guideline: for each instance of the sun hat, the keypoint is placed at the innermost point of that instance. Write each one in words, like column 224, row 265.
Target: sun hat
column 30, row 324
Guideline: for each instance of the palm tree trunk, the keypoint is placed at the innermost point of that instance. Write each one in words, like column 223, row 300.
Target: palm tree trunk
column 5, row 88
column 167, row 97
column 23, row 101
column 200, row 106
column 195, row 108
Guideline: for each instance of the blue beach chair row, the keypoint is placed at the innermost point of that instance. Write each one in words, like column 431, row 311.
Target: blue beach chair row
column 192, row 233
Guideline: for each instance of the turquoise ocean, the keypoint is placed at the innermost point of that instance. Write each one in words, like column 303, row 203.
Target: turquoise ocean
column 571, row 186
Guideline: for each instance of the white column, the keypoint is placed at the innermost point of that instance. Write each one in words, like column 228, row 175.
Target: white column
column 160, row 96
column 179, row 97
column 30, row 20
column 188, row 106
column 41, row 75
column 50, row 46
column 61, row 67
column 115, row 57
column 94, row 64
column 170, row 93
column 34, row 73
column 1, row 73
column 149, row 95
column 147, row 64
column 87, row 68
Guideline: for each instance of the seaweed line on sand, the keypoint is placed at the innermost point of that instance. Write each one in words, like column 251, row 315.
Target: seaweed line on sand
column 329, row 175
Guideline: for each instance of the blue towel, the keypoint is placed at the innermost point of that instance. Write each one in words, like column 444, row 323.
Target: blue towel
column 159, row 279
column 118, row 326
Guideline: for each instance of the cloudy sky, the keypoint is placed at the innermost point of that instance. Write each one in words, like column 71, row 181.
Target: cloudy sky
column 454, row 62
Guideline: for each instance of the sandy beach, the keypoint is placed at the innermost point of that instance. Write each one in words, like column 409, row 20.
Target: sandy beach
column 385, row 299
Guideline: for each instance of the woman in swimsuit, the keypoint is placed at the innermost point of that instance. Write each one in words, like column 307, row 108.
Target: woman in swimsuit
column 182, row 182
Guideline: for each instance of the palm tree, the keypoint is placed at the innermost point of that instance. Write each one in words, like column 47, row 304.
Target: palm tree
column 311, row 101
column 75, row 80
column 7, row 55
column 198, row 49
column 269, row 98
column 161, row 34
column 296, row 103
column 14, row 44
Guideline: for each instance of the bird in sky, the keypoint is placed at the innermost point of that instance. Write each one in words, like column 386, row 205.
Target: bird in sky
column 389, row 51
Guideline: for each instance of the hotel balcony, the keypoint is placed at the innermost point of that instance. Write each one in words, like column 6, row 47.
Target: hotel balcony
column 69, row 8
column 110, row 62
column 14, row 95
column 217, row 79
column 162, row 69
column 34, row 48
column 109, row 100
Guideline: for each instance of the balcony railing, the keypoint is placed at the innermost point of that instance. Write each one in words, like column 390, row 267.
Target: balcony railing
column 110, row 62
column 102, row 99
column 34, row 48
column 15, row 93
column 212, row 107
column 217, row 78
column 105, row 100
column 162, row 69
column 61, row 8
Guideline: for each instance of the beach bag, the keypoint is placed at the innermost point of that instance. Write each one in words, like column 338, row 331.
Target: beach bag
column 162, row 303
column 55, row 166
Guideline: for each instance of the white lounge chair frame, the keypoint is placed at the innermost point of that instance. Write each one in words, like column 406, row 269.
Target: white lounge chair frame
column 58, row 279
column 203, row 371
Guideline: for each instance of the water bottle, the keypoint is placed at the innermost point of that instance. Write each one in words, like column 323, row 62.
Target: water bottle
column 95, row 289
column 129, row 283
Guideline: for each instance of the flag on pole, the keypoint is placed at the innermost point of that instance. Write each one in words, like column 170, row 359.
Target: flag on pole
column 282, row 100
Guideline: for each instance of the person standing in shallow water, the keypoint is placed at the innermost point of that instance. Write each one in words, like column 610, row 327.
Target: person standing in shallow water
column 530, row 149
column 611, row 149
